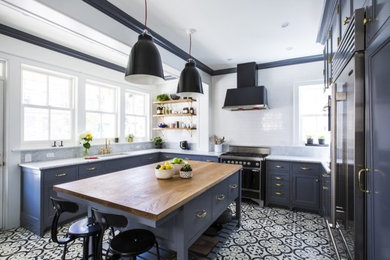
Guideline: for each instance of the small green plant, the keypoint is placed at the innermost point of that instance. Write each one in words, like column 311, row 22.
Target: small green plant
column 321, row 137
column 130, row 136
column 158, row 166
column 162, row 97
column 158, row 140
column 186, row 168
column 309, row 137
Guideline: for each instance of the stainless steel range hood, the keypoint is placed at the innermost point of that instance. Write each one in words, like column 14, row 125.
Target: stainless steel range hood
column 247, row 95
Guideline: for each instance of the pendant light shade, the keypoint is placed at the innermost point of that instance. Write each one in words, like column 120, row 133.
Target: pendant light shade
column 144, row 65
column 190, row 82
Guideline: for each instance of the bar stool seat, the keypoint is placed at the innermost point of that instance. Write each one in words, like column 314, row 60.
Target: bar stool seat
column 83, row 228
column 132, row 242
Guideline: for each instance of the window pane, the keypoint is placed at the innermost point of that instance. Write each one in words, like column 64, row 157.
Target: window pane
column 107, row 99
column 59, row 92
column 108, row 125
column 312, row 99
column 135, row 125
column 36, row 124
column 135, row 103
column 34, row 88
column 92, row 94
column 93, row 124
column 2, row 69
column 60, row 125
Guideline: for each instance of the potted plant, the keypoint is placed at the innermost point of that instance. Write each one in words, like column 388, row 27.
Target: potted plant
column 130, row 138
column 218, row 143
column 186, row 171
column 158, row 142
column 321, row 139
column 162, row 97
column 309, row 139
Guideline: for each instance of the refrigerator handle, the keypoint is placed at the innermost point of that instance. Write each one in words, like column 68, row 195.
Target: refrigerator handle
column 333, row 158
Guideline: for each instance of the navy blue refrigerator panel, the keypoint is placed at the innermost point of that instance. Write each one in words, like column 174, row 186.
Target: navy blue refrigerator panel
column 378, row 145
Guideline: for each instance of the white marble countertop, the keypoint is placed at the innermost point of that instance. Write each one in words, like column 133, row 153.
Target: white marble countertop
column 76, row 161
column 323, row 161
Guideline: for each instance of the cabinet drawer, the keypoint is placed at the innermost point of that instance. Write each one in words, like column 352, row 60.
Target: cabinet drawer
column 197, row 214
column 277, row 185
column 233, row 186
column 309, row 168
column 220, row 197
column 278, row 176
column 209, row 159
column 91, row 170
column 278, row 166
column 150, row 158
column 278, row 196
column 60, row 175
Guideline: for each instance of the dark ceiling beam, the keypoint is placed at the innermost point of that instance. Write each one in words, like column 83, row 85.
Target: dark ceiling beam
column 275, row 64
column 122, row 17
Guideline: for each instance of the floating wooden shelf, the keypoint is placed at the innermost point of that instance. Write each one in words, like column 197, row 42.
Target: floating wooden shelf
column 173, row 115
column 175, row 101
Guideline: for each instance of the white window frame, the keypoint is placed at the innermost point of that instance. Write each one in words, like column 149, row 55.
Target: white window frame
column 146, row 114
column 116, row 108
column 47, row 72
column 297, row 126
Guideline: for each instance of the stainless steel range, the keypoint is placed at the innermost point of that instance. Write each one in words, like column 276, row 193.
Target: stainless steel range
column 253, row 174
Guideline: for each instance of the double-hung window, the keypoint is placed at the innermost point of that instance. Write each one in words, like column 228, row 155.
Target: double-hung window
column 312, row 112
column 136, row 114
column 101, row 110
column 47, row 106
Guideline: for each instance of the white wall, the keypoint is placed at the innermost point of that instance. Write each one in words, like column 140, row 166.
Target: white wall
column 272, row 127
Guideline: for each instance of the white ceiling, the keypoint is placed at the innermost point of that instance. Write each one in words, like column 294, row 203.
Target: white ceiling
column 240, row 30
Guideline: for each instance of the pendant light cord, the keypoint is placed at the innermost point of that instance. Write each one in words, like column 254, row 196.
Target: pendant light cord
column 146, row 13
column 190, row 45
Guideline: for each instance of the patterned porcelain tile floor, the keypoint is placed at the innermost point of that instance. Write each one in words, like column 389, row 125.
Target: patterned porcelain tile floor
column 265, row 233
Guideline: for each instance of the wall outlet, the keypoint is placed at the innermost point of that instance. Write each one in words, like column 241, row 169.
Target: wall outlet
column 27, row 157
column 50, row 155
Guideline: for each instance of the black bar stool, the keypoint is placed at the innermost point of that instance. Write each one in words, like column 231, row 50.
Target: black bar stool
column 84, row 228
column 129, row 243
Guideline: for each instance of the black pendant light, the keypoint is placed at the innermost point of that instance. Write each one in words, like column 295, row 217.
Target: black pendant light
column 190, row 82
column 144, row 66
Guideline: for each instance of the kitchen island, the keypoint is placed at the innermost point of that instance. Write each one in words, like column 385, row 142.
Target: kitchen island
column 177, row 210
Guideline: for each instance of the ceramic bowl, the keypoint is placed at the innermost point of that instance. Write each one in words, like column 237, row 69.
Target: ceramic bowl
column 177, row 167
column 175, row 97
column 164, row 174
column 185, row 175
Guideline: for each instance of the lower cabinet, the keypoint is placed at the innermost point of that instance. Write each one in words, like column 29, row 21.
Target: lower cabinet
column 325, row 194
column 293, row 185
column 37, row 185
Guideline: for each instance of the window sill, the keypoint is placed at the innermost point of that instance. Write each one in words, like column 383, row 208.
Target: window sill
column 26, row 149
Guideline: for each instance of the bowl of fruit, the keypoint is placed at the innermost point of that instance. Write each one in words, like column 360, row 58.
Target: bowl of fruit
column 164, row 171
column 177, row 164
column 186, row 171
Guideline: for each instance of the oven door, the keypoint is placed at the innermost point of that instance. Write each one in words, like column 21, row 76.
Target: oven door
column 251, row 183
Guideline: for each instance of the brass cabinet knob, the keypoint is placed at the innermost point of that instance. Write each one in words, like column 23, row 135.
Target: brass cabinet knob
column 367, row 20
column 278, row 178
column 233, row 186
column 346, row 20
column 278, row 193
column 278, row 184
column 221, row 197
column 91, row 168
column 61, row 174
column 279, row 167
column 324, row 188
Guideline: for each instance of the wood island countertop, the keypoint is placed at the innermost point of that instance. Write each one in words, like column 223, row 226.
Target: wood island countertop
column 139, row 192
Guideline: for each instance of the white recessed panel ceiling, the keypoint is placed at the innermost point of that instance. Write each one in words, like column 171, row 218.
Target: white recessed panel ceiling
column 235, row 31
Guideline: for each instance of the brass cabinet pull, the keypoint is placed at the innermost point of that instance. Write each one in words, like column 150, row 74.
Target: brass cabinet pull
column 325, row 175
column 367, row 20
column 305, row 168
column 324, row 188
column 360, row 182
column 209, row 161
column 317, row 180
column 278, row 178
column 346, row 20
column 233, row 186
column 150, row 158
column 61, row 174
column 221, row 197
column 279, row 166
column 278, row 184
column 278, row 193
column 202, row 214
column 91, row 168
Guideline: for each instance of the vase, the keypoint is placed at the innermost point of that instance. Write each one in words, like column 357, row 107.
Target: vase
column 85, row 153
column 218, row 148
